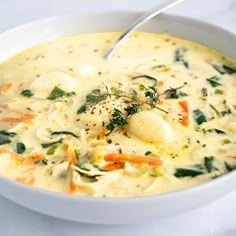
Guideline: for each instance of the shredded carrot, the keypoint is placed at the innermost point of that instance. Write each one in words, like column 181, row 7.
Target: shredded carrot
column 113, row 166
column 133, row 159
column 165, row 69
column 233, row 157
column 26, row 180
column 73, row 158
column 102, row 134
column 185, row 119
column 16, row 120
column 26, row 114
column 6, row 88
column 36, row 157
column 160, row 83
column 72, row 188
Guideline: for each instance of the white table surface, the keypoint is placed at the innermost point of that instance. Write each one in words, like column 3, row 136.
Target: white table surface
column 215, row 219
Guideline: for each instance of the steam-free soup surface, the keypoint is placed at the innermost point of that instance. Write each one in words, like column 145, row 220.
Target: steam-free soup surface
column 157, row 117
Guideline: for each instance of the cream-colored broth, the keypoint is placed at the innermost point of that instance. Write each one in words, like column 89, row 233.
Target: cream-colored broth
column 160, row 132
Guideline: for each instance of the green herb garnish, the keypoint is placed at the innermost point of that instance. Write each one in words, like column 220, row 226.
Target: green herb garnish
column 226, row 112
column 132, row 109
column 52, row 149
column 229, row 167
column 64, row 132
column 27, row 93
column 5, row 137
column 20, row 148
column 209, row 163
column 179, row 56
column 215, row 110
column 218, row 131
column 199, row 116
column 224, row 69
column 182, row 172
column 204, row 92
column 213, row 81
column 154, row 80
column 46, row 145
column 93, row 98
column 59, row 93
column 118, row 120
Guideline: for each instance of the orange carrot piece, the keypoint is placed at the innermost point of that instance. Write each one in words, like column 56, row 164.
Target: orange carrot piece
column 16, row 120
column 36, row 157
column 72, row 188
column 185, row 119
column 6, row 88
column 113, row 166
column 165, row 69
column 133, row 159
column 102, row 134
column 160, row 83
column 73, row 158
column 233, row 157
column 26, row 114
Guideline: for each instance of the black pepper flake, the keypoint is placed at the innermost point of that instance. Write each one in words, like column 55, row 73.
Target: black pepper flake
column 198, row 141
column 109, row 141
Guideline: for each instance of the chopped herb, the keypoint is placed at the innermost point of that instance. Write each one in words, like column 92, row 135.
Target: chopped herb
column 173, row 93
column 82, row 109
column 27, row 93
column 229, row 167
column 5, row 137
column 213, row 81
column 148, row 153
column 146, row 77
column 224, row 69
column 64, row 132
column 215, row 110
column 117, row 121
column 93, row 98
column 158, row 66
column 226, row 112
column 208, row 162
column 219, row 91
column 218, row 131
column 20, row 148
column 153, row 96
column 82, row 166
column 46, row 145
column 52, row 149
column 199, row 117
column 132, row 109
column 182, row 172
column 204, row 92
column 59, row 93
column 77, row 154
column 179, row 56
column 229, row 70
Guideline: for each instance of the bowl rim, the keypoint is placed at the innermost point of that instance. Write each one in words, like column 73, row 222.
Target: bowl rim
column 130, row 199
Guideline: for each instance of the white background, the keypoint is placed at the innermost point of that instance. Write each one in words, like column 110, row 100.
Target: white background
column 216, row 219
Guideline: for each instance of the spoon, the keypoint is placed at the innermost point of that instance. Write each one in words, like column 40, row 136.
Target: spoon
column 146, row 17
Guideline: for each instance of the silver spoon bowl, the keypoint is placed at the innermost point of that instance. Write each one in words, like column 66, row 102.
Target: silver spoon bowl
column 142, row 20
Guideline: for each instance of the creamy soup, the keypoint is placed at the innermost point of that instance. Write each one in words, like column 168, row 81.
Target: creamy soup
column 159, row 116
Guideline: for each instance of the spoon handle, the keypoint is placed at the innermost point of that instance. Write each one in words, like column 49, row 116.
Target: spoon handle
column 154, row 12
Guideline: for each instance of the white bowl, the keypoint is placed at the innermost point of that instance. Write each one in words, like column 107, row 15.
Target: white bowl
column 115, row 210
